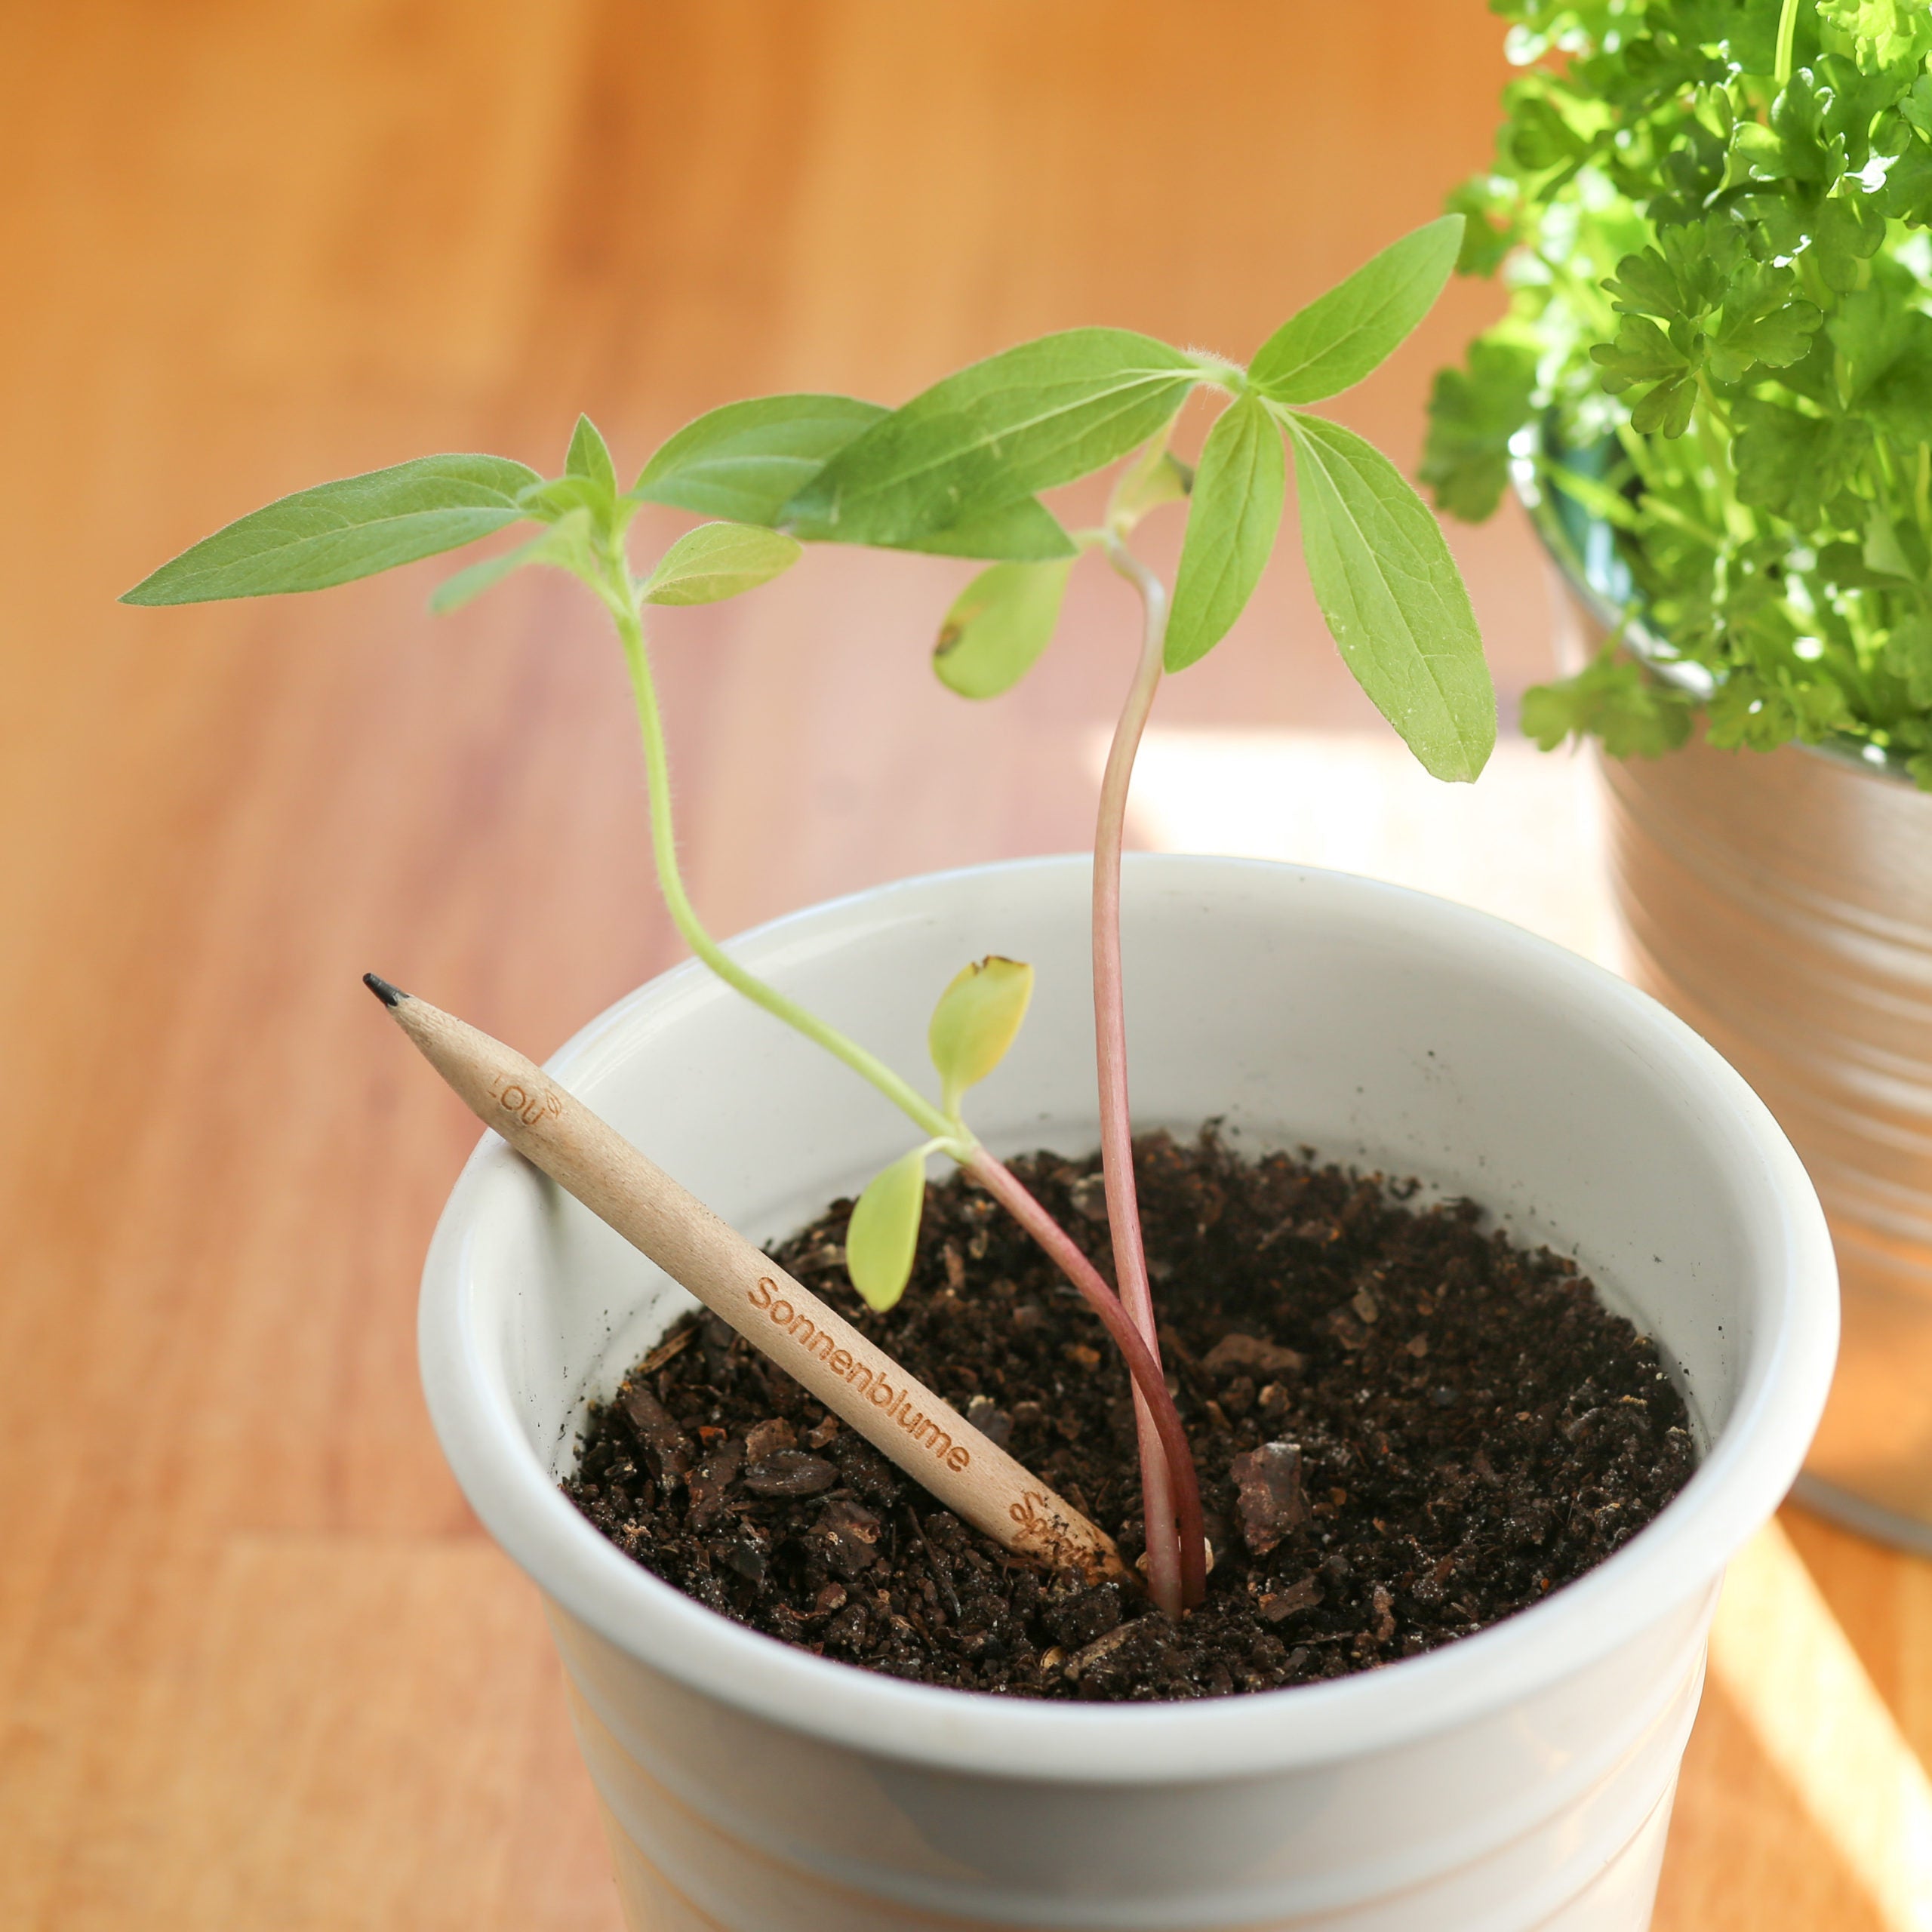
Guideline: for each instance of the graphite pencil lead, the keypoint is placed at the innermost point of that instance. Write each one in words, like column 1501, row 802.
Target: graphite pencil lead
column 389, row 995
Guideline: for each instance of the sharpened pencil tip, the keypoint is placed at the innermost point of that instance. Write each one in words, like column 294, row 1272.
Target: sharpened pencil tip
column 389, row 995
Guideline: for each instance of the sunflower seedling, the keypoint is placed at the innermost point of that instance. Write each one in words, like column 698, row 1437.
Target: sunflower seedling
column 957, row 471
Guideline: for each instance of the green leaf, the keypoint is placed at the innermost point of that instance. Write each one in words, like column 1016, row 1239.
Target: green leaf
column 1907, row 193
column 1023, row 532
column 883, row 1235
column 339, row 531
column 719, row 560
column 1489, row 208
column 1793, row 463
column 1916, row 104
column 1642, row 352
column 1762, row 322
column 1882, row 551
column 1907, row 656
column 1334, row 342
column 1392, row 598
column 553, row 499
column 748, row 459
column 452, row 593
column 997, row 626
column 586, row 491
column 1231, row 520
column 1843, row 567
column 1900, row 401
column 976, row 1021
column 1645, row 353
column 1646, row 284
column 1155, row 477
column 566, row 543
column 1753, row 713
column 1706, row 257
column 1471, row 418
column 1613, row 699
column 1540, row 137
column 590, row 457
column 1872, row 328
column 1667, row 410
column 1796, row 145
column 1848, row 230
column 1885, row 32
column 1763, row 154
column 1689, row 275
column 1818, row 709
column 1743, row 714
column 1019, row 422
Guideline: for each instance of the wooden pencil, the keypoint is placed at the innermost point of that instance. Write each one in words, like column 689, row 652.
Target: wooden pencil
column 839, row 1368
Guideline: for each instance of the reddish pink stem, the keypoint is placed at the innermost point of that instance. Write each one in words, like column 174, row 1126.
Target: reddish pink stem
column 1166, row 1550
column 1151, row 1400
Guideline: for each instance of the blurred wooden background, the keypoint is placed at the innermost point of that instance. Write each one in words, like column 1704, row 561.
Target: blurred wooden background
column 258, row 1667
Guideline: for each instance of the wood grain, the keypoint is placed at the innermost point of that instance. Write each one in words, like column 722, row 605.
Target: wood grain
column 256, row 1664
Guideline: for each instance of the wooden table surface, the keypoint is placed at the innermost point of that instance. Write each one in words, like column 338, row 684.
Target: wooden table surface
column 258, row 1665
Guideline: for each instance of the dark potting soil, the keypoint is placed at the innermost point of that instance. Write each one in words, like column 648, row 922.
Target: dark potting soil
column 1407, row 1428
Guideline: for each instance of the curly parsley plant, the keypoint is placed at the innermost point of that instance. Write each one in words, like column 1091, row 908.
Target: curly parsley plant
column 1713, row 216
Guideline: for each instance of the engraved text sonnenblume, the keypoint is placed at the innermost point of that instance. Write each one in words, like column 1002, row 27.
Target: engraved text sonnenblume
column 895, row 1403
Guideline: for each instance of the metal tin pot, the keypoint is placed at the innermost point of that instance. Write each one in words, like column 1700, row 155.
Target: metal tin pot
column 1781, row 903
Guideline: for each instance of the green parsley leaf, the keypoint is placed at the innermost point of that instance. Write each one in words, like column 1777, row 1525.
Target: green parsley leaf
column 1792, row 463
column 1763, row 321
column 1848, row 230
column 1907, row 656
column 1472, row 416
column 1669, row 360
column 1487, row 206
column 1885, row 32
column 1613, row 699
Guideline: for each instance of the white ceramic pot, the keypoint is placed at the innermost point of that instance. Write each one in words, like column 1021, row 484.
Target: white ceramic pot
column 1520, row 1778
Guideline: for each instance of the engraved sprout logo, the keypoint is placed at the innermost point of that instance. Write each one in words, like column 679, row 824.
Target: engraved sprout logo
column 529, row 1108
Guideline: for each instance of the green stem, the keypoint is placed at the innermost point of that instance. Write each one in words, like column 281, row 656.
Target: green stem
column 1813, row 282
column 1166, row 1552
column 617, row 590
column 619, row 596
column 1787, row 41
column 1713, row 427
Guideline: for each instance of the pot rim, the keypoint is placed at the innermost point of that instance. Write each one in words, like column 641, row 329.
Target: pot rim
column 1739, row 1484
